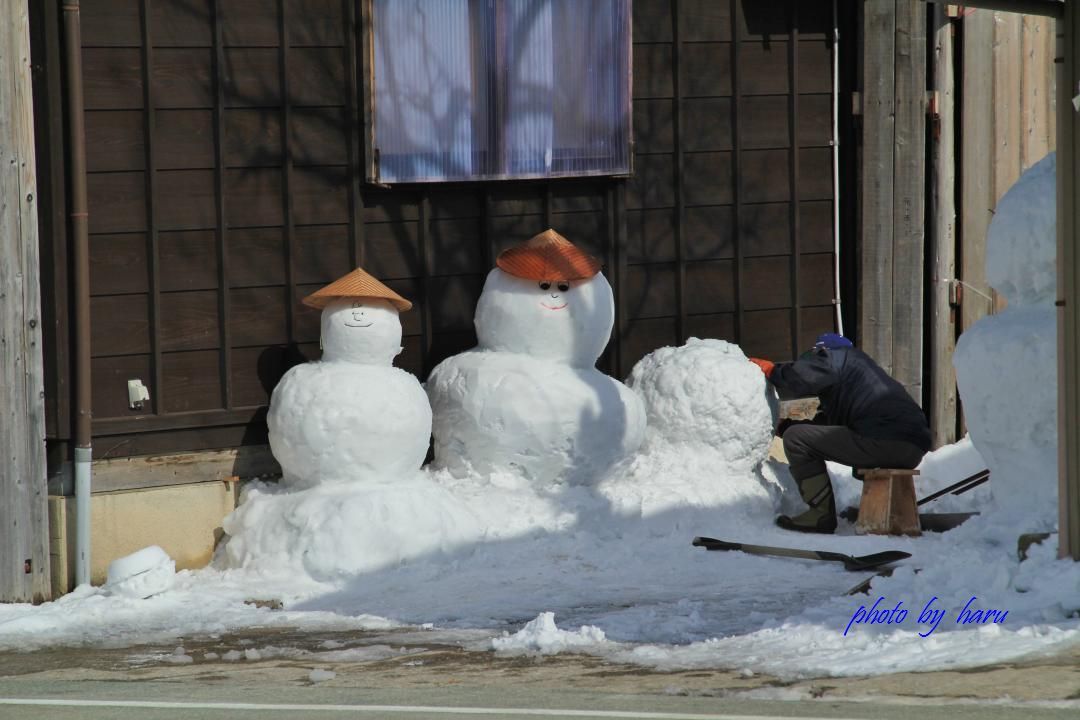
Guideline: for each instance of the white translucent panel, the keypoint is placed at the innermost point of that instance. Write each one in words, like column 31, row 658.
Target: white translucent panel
column 475, row 89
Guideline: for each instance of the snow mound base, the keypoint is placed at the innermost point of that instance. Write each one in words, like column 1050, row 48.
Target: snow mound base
column 706, row 393
column 142, row 574
column 543, row 636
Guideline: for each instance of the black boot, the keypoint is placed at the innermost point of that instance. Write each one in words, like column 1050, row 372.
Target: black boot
column 816, row 491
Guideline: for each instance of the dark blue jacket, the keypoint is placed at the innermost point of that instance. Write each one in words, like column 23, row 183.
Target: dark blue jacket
column 855, row 392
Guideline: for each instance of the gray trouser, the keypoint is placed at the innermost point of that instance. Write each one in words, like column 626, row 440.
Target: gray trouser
column 808, row 446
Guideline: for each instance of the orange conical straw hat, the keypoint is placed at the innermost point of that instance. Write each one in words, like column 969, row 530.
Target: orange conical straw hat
column 357, row 284
column 548, row 256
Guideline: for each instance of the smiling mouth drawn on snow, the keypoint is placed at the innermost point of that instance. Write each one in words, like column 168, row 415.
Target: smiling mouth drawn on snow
column 359, row 320
column 563, row 287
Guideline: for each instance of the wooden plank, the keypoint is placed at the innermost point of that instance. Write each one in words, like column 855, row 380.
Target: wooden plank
column 121, row 325
column 114, row 141
column 188, row 260
column 909, row 188
column 181, row 78
column 24, row 535
column 321, row 253
column 976, row 200
column 185, row 139
column 249, row 461
column 192, row 380
column 259, row 316
column 1037, row 89
column 118, row 264
column 1068, row 320
column 1008, row 101
column 707, row 70
column 942, row 407
column 875, row 331
column 193, row 322
column 710, row 287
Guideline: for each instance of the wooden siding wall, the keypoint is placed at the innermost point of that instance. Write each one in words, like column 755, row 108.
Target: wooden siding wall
column 226, row 184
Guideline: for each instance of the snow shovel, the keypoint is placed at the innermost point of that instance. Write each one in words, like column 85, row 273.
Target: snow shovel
column 855, row 563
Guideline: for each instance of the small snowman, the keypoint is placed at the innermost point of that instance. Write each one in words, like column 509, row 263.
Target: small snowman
column 528, row 399
column 351, row 415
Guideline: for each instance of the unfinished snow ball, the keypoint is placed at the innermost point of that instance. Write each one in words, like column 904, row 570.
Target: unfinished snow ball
column 707, row 393
column 548, row 299
column 1006, row 372
column 340, row 422
column 331, row 532
column 1021, row 243
column 142, row 574
column 543, row 420
column 351, row 415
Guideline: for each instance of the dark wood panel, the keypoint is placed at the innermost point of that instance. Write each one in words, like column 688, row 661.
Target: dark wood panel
column 319, row 136
column 392, row 250
column 765, row 21
column 720, row 326
column 765, row 176
column 651, row 21
column 457, row 246
column 815, row 120
column 252, row 77
column 252, row 138
column 112, row 79
column 816, row 226
column 569, row 195
column 316, row 22
column 516, row 198
column 106, row 23
column 707, row 125
column 455, row 202
column 643, row 336
column 706, row 69
column 317, row 76
column 121, row 325
column 704, row 20
column 389, row 206
column 258, row 316
column 766, row 282
column 250, row 23
column 710, row 286
column 652, row 183
column 256, row 257
column 184, row 139
column 454, row 302
column 707, row 178
column 709, row 233
column 184, row 439
column 763, row 68
column 815, row 66
column 181, row 23
column 191, row 381
column 650, row 291
column 256, row 371
column 816, row 279
column 188, row 260
column 253, row 198
column 118, row 264
column 764, row 121
column 814, row 20
column 116, row 202
column 115, row 140
column 306, row 321
column 654, row 126
column 652, row 72
column 815, row 174
column 587, row 230
column 108, row 379
column 321, row 253
column 765, row 229
column 186, row 200
column 767, row 334
column 320, row 195
column 650, row 236
column 189, row 321
column 508, row 231
column 813, row 322
column 182, row 78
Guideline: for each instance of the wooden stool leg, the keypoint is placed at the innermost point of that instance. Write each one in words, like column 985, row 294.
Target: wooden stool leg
column 888, row 505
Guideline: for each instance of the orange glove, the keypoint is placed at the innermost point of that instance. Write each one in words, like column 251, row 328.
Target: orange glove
column 765, row 365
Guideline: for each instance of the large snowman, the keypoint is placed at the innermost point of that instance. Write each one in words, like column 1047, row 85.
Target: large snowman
column 528, row 399
column 351, row 415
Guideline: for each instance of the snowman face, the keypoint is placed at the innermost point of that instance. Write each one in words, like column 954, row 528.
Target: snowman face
column 361, row 330
column 567, row 322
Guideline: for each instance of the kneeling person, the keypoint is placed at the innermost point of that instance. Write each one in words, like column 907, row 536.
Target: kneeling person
column 866, row 419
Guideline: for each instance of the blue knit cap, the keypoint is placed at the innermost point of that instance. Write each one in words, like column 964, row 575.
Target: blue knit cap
column 832, row 341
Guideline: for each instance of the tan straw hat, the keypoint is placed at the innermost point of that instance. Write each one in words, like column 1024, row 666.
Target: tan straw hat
column 357, row 284
column 548, row 256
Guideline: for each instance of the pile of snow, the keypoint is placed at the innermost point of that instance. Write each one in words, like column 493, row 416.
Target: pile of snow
column 543, row 636
column 142, row 574
column 1006, row 364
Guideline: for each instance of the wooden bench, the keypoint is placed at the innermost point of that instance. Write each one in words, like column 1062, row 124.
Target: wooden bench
column 888, row 502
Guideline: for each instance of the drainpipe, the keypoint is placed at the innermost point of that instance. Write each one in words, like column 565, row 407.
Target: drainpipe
column 836, row 165
column 81, row 255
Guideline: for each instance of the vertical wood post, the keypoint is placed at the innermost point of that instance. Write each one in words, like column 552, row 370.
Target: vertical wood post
column 942, row 396
column 894, row 172
column 24, row 534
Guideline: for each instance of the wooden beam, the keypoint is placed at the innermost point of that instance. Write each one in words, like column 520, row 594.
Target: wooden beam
column 24, row 535
column 1046, row 8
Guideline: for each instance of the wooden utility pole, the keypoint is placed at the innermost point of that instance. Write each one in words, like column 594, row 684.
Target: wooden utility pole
column 894, row 177
column 24, row 535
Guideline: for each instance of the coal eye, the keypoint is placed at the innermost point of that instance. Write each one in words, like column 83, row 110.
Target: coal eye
column 564, row 287
column 545, row 286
